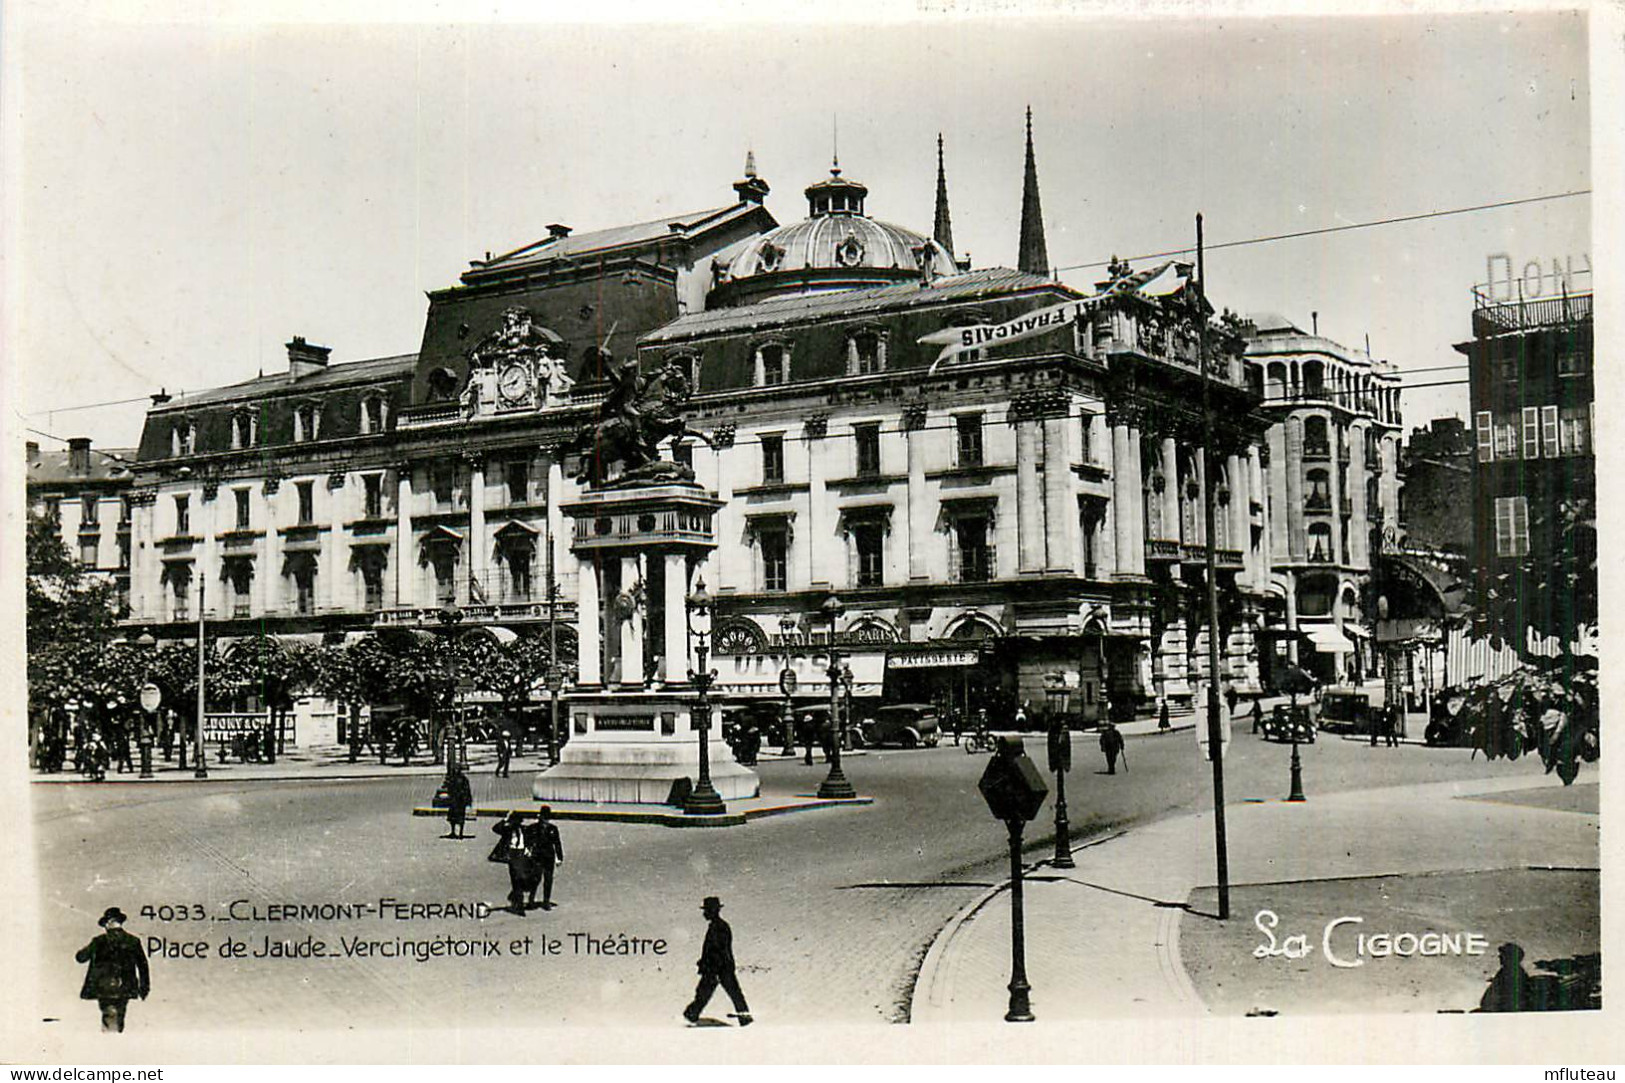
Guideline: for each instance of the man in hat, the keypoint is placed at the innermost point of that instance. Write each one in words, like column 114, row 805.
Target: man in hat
column 716, row 966
column 118, row 969
column 532, row 851
column 504, row 752
column 1111, row 743
column 459, row 797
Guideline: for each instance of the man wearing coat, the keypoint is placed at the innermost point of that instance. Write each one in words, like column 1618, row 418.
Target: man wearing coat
column 532, row 851
column 717, row 966
column 1111, row 743
column 118, row 969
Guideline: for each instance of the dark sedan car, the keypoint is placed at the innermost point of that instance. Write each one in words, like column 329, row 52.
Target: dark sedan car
column 907, row 725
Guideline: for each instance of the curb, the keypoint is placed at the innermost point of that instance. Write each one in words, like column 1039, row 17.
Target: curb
column 660, row 817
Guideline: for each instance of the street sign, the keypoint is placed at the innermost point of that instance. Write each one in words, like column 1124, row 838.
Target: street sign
column 787, row 681
column 151, row 697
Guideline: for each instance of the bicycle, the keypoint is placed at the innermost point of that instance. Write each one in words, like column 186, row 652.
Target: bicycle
column 977, row 741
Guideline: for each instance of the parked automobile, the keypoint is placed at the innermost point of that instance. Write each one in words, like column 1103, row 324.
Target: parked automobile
column 907, row 725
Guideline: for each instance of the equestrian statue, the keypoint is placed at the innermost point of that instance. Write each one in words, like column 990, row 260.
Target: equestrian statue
column 639, row 413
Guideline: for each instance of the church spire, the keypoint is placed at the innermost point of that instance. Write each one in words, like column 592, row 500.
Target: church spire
column 1033, row 255
column 943, row 229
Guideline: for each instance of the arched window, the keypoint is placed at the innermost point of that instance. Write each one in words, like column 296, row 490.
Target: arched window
column 1275, row 381
column 442, row 385
column 307, row 422
column 865, row 353
column 183, row 438
column 1315, row 442
column 244, row 429
column 1318, row 491
column 374, row 414
column 1314, row 379
column 772, row 364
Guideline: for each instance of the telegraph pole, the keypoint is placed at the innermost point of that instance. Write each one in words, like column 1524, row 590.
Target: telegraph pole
column 1215, row 746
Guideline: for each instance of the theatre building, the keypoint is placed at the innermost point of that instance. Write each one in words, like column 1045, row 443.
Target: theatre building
column 1022, row 521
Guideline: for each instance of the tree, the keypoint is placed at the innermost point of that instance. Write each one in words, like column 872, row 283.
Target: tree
column 1550, row 705
column 71, row 616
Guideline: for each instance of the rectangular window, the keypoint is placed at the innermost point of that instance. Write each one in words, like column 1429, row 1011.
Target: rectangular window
column 1548, row 424
column 1486, row 436
column 969, row 427
column 183, row 516
column 1511, row 526
column 1531, row 432
column 441, row 482
column 775, row 543
column 974, row 554
column 307, row 501
column 867, row 356
column 372, row 580
column 53, row 507
column 867, row 438
column 773, row 365
column 772, row 459
column 869, row 539
column 181, row 588
column 123, row 509
column 242, row 508
column 1575, row 435
column 88, row 507
column 1570, row 362
column 1086, row 432
column 519, row 561
column 445, row 576
column 88, row 548
column 373, row 494
column 1506, row 441
column 518, row 481
column 305, row 589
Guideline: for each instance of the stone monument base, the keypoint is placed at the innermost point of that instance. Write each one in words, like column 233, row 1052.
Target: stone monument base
column 631, row 747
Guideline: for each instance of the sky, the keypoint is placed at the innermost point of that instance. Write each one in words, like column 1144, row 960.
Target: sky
column 187, row 196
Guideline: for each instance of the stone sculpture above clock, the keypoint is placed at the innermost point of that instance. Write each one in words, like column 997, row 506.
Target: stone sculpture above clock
column 518, row 366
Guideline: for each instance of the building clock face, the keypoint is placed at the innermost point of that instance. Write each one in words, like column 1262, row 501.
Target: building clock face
column 514, row 383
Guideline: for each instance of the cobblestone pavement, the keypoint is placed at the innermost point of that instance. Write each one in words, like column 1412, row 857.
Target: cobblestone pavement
column 832, row 910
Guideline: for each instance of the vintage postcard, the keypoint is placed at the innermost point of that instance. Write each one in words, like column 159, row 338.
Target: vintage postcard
column 909, row 534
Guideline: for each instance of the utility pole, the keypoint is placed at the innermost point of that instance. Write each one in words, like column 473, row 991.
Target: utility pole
column 1210, row 473
column 200, row 764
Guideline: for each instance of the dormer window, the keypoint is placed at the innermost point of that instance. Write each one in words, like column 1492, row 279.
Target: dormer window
column 307, row 422
column 772, row 364
column 374, row 414
column 866, row 353
column 688, row 363
column 244, row 430
column 183, row 438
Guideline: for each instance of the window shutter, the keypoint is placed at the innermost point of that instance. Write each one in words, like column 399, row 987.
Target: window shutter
column 1520, row 526
column 1531, row 432
column 1503, row 526
column 1548, row 420
column 1486, row 437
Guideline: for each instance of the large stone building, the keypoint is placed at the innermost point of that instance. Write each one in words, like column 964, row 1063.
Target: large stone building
column 1334, row 490
column 1022, row 521
column 86, row 490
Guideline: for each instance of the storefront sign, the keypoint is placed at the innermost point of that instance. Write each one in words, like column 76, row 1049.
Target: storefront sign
column 933, row 659
column 957, row 340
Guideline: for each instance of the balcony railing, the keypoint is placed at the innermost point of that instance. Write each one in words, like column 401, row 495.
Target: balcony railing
column 1320, row 555
column 1159, row 549
column 1316, row 452
column 421, row 417
column 1317, row 502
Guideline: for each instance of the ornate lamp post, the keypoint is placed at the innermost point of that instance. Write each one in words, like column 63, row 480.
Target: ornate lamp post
column 703, row 800
column 151, row 697
column 1060, row 761
column 555, row 675
column 846, row 704
column 787, row 685
column 835, row 785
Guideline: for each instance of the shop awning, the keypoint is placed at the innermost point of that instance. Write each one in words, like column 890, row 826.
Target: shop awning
column 1329, row 639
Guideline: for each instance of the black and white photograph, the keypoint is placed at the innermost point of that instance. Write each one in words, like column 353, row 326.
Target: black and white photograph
column 952, row 532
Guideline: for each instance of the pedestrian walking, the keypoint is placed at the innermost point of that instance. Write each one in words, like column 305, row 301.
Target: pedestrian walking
column 1390, row 725
column 95, row 758
column 117, row 972
column 1163, row 725
column 956, row 722
column 405, row 740
column 716, row 966
column 504, row 753
column 1111, row 743
column 1231, row 697
column 531, row 850
column 459, row 798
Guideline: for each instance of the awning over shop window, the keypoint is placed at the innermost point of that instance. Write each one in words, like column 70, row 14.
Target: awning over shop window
column 1329, row 639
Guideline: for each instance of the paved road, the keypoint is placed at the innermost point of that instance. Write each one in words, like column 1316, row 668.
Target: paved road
column 832, row 910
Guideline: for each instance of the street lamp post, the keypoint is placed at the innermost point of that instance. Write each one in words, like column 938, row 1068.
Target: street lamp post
column 787, row 677
column 1297, row 768
column 555, row 676
column 199, row 760
column 703, row 800
column 835, row 785
column 151, row 697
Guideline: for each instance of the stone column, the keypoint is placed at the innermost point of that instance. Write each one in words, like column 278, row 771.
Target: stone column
column 1136, row 502
column 1106, row 534
column 1199, row 501
column 1171, row 525
column 1292, row 479
column 1255, row 475
column 1060, row 503
column 1029, row 499
column 824, row 553
column 478, row 547
column 916, row 532
column 557, row 537
column 677, row 658
column 1360, row 527
column 589, row 623
column 1334, row 474
column 1240, row 531
column 631, row 674
column 404, row 594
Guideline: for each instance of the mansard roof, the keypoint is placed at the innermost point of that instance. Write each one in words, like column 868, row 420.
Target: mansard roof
column 341, row 374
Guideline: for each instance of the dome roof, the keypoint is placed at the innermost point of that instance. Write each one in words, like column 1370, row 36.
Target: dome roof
column 836, row 247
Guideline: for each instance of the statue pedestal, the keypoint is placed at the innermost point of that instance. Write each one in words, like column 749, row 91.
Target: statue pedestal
column 631, row 747
column 632, row 734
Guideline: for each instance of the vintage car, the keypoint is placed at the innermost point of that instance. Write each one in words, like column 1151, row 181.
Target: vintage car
column 906, row 725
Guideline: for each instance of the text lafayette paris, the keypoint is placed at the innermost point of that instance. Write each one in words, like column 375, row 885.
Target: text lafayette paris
column 1344, row 945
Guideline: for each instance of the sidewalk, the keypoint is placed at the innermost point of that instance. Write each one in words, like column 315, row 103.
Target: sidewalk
column 324, row 762
column 1104, row 939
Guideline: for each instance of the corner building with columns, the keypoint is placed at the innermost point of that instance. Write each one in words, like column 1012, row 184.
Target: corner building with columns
column 1022, row 522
